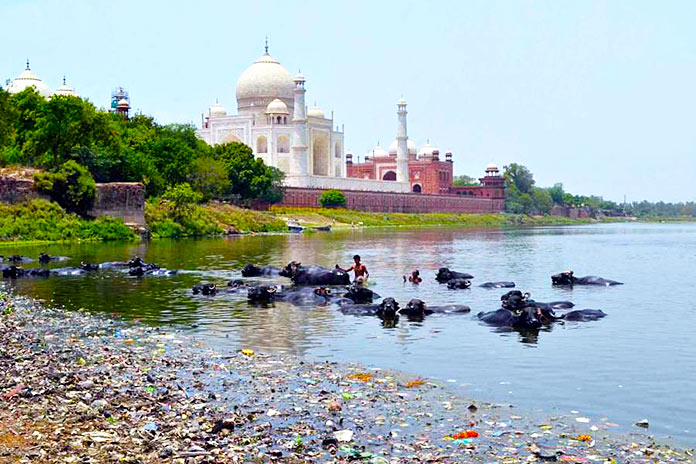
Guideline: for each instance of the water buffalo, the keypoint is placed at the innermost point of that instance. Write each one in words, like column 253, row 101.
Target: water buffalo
column 583, row 315
column 360, row 295
column 314, row 275
column 527, row 318
column 89, row 267
column 444, row 275
column 204, row 289
column 68, row 271
column 455, row 284
column 15, row 272
column 45, row 258
column 502, row 284
column 416, row 309
column 252, row 270
column 113, row 265
column 567, row 278
column 387, row 309
column 151, row 270
column 15, row 259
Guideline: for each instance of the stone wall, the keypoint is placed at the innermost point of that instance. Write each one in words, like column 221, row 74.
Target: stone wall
column 124, row 200
column 345, row 183
column 121, row 200
column 396, row 202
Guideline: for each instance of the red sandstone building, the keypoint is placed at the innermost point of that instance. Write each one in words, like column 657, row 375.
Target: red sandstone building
column 428, row 174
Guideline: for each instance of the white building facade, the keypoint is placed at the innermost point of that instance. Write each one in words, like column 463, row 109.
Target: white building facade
column 273, row 120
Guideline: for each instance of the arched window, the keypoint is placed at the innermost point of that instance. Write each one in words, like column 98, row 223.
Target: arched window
column 337, row 150
column 262, row 145
column 279, row 119
column 389, row 175
column 416, row 188
column 283, row 144
column 285, row 119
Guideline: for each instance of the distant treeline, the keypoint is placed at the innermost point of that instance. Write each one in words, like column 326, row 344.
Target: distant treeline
column 48, row 133
column 523, row 196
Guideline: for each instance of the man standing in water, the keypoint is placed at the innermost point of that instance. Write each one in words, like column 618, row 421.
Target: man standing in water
column 360, row 270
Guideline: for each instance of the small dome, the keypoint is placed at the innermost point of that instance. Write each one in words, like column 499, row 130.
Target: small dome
column 217, row 110
column 401, row 101
column 65, row 90
column 277, row 107
column 315, row 112
column 299, row 77
column 410, row 144
column 29, row 79
column 426, row 151
column 123, row 104
column 377, row 152
column 491, row 167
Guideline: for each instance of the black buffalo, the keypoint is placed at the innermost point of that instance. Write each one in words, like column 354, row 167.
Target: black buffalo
column 388, row 309
column 204, row 289
column 502, row 284
column 444, row 275
column 567, row 278
column 252, row 270
column 360, row 295
column 456, row 284
column 527, row 318
column 417, row 309
column 314, row 275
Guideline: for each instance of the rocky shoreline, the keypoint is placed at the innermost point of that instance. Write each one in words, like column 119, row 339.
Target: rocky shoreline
column 77, row 387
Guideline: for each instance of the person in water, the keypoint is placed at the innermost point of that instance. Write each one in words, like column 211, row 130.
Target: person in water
column 414, row 278
column 359, row 268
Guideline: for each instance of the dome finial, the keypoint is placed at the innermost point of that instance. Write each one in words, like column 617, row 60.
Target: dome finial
column 28, row 68
column 63, row 79
column 266, row 46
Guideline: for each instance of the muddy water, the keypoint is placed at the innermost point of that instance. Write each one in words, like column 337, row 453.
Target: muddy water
column 637, row 363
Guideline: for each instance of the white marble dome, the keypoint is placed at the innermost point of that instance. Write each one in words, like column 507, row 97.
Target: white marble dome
column 377, row 152
column 491, row 167
column 426, row 151
column 315, row 112
column 277, row 106
column 410, row 144
column 65, row 90
column 29, row 79
column 264, row 79
column 217, row 110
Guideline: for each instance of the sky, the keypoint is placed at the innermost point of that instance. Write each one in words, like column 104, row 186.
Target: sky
column 598, row 95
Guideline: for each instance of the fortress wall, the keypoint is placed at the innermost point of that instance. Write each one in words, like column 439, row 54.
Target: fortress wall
column 396, row 202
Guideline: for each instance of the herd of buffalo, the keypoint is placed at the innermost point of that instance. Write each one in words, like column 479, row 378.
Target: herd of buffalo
column 319, row 286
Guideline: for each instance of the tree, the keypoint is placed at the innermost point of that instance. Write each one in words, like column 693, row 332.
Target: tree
column 182, row 199
column 249, row 177
column 209, row 177
column 542, row 200
column 72, row 187
column 332, row 198
column 526, row 203
column 557, row 193
column 520, row 177
column 464, row 181
column 7, row 117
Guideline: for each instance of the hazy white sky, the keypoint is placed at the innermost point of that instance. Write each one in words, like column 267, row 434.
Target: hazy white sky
column 599, row 95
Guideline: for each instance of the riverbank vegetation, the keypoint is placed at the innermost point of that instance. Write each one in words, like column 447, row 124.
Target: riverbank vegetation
column 47, row 133
column 166, row 219
column 522, row 196
column 340, row 217
column 40, row 220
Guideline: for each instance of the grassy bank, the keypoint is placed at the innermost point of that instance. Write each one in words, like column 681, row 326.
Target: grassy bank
column 43, row 221
column 340, row 217
column 210, row 219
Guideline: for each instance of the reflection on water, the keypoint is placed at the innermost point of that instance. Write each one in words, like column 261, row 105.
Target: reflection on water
column 635, row 363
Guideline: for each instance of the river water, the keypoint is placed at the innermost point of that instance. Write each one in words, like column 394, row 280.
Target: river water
column 638, row 362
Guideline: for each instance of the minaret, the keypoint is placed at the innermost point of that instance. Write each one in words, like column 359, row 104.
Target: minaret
column 402, row 144
column 299, row 163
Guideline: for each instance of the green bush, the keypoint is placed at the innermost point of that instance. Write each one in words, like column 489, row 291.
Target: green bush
column 332, row 198
column 72, row 187
column 43, row 220
column 182, row 200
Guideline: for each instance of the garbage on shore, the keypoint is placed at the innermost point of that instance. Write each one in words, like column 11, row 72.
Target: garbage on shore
column 81, row 388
